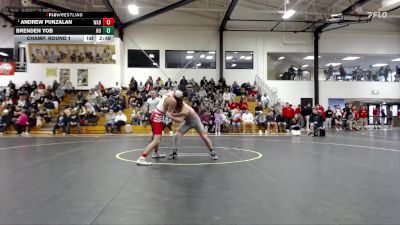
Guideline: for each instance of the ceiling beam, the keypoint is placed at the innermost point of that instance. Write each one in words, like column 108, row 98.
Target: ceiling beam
column 6, row 18
column 109, row 7
column 51, row 6
column 158, row 12
column 228, row 14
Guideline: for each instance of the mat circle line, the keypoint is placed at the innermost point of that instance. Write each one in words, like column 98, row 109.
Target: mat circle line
column 259, row 155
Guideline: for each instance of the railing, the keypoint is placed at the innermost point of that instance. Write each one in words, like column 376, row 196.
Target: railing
column 271, row 93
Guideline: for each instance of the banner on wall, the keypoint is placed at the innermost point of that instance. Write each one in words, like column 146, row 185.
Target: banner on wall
column 72, row 53
column 51, row 72
column 83, row 77
column 7, row 68
column 65, row 75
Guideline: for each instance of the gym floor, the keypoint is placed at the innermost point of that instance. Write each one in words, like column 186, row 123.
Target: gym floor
column 344, row 178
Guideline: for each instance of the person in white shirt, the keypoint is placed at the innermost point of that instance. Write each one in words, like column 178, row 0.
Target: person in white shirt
column 153, row 101
column 120, row 120
column 264, row 101
column 248, row 119
column 226, row 96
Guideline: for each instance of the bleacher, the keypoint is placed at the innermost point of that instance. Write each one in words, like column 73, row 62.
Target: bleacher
column 99, row 128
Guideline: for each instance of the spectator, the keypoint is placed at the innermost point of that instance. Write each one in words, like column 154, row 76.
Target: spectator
column 329, row 74
column 203, row 82
column 280, row 122
column 133, row 85
column 243, row 105
column 120, row 120
column 218, row 120
column 206, row 120
column 235, row 88
column 5, row 120
column 73, row 121
column 328, row 116
column 236, row 120
column 182, row 84
column 386, row 72
column 168, row 84
column 49, row 106
column 288, row 114
column 316, row 122
column 363, row 113
column 271, row 123
column 152, row 101
column 376, row 115
column 61, row 122
column 40, row 86
column 21, row 123
column 346, row 114
column 261, row 121
column 248, row 119
column 355, row 117
column 383, row 117
column 342, row 72
column 258, row 109
column 306, row 112
column 226, row 96
column 110, row 121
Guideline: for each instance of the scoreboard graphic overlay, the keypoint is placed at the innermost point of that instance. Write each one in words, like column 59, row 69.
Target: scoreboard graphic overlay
column 58, row 27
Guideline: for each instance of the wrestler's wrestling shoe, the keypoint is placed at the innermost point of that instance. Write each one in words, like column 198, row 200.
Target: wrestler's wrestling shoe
column 173, row 155
column 213, row 156
column 157, row 155
column 141, row 161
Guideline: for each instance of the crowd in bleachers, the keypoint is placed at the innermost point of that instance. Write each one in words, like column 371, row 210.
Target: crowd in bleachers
column 221, row 107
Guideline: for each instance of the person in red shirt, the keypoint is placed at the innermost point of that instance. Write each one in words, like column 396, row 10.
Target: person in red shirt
column 363, row 113
column 253, row 94
column 232, row 105
column 21, row 122
column 297, row 110
column 288, row 114
column 243, row 105
column 376, row 112
column 41, row 85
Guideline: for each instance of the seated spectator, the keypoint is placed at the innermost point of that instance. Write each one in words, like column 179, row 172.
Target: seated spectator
column 73, row 121
column 248, row 119
column 21, row 123
column 49, row 106
column 5, row 120
column 135, row 116
column 253, row 94
column 243, row 105
column 316, row 122
column 280, row 122
column 261, row 122
column 68, row 87
column 206, row 120
column 258, row 109
column 236, row 120
column 226, row 97
column 61, row 122
column 296, row 124
column 167, row 123
column 41, row 85
column 235, row 88
column 120, row 120
column 271, row 123
column 145, row 119
column 110, row 121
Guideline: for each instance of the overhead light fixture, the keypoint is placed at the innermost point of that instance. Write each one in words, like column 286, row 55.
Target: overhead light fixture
column 379, row 65
column 304, row 66
column 23, row 45
column 242, row 57
column 189, row 57
column 396, row 60
column 155, row 64
column 3, row 54
column 289, row 13
column 190, row 52
column 198, row 64
column 209, row 57
column 133, row 9
column 384, row 103
column 229, row 57
column 234, row 65
column 202, row 56
column 151, row 55
column 350, row 58
column 235, row 52
column 114, row 57
column 333, row 64
column 310, row 57
column 212, row 52
column 248, row 58
column 282, row 57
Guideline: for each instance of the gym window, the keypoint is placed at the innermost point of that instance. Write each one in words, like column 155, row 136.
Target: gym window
column 190, row 59
column 143, row 58
column 239, row 59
